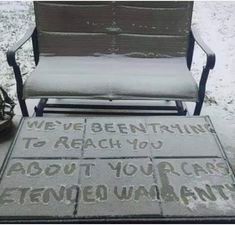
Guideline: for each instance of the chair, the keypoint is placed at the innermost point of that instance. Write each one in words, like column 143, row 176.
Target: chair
column 113, row 51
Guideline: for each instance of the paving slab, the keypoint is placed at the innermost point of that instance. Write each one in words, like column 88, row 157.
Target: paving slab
column 195, row 187
column 50, row 137
column 122, row 187
column 183, row 136
column 39, row 188
column 158, row 136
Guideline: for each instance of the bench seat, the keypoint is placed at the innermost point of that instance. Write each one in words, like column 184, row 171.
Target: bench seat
column 111, row 77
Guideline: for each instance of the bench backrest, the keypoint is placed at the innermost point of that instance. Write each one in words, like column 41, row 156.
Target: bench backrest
column 136, row 29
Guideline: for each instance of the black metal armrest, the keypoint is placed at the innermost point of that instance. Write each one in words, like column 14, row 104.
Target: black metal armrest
column 210, row 63
column 210, row 54
column 31, row 33
column 12, row 51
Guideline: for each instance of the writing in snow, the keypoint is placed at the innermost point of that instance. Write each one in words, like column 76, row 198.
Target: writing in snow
column 122, row 127
column 164, row 190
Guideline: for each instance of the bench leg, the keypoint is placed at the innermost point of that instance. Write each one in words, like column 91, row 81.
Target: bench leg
column 180, row 108
column 202, row 90
column 39, row 109
column 198, row 108
column 201, row 95
column 23, row 107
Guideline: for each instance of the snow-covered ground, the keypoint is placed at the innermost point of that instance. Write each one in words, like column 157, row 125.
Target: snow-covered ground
column 216, row 23
column 15, row 18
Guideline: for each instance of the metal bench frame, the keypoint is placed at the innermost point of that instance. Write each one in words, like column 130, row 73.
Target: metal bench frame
column 178, row 109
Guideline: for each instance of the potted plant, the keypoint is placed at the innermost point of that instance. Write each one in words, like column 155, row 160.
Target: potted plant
column 6, row 110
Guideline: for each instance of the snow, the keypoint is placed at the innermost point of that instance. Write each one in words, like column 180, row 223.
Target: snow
column 214, row 20
column 216, row 24
column 15, row 18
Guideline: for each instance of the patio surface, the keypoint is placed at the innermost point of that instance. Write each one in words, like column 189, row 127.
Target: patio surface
column 80, row 167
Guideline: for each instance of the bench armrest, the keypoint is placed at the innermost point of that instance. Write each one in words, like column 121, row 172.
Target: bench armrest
column 210, row 63
column 31, row 33
column 12, row 51
column 209, row 53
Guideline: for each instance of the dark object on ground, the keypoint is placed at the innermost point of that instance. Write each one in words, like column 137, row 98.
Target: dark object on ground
column 6, row 110
column 113, row 51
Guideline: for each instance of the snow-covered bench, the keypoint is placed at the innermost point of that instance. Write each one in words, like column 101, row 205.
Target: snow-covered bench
column 113, row 51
